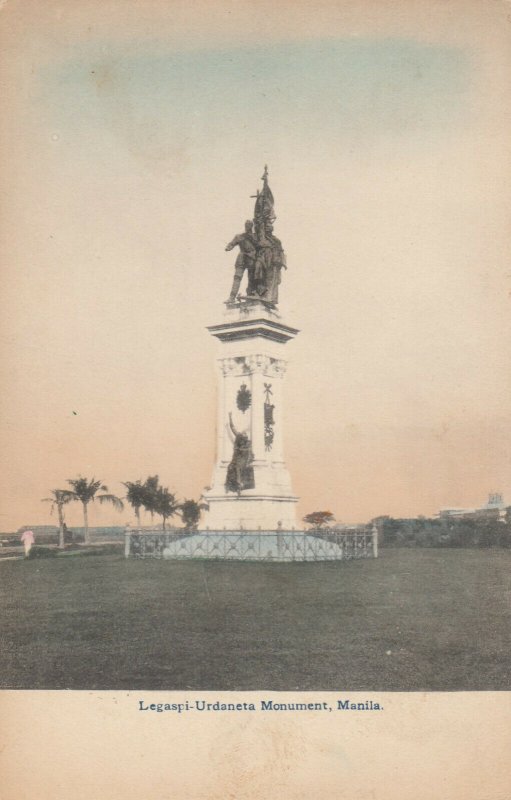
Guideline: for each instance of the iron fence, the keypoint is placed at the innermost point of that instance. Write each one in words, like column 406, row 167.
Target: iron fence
column 252, row 545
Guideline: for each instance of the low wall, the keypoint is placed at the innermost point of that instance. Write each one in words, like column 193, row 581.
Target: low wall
column 251, row 545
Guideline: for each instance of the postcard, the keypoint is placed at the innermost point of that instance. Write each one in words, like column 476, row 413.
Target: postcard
column 255, row 526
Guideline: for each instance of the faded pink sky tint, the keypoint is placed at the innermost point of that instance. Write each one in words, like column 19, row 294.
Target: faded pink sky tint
column 133, row 139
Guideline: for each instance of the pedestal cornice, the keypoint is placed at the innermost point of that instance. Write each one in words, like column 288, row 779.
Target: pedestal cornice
column 254, row 328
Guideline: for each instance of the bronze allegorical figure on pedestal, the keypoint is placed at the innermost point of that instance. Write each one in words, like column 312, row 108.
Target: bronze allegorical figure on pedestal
column 261, row 253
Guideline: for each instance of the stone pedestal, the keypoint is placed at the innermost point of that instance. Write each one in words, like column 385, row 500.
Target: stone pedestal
column 251, row 369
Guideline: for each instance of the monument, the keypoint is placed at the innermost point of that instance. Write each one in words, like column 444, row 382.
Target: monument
column 251, row 486
column 251, row 507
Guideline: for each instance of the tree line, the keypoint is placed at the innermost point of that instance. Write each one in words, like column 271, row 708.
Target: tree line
column 478, row 530
column 487, row 528
column 149, row 495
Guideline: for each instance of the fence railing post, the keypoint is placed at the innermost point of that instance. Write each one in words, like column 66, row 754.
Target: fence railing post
column 127, row 542
column 375, row 541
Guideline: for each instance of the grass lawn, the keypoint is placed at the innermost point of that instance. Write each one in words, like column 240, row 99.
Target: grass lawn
column 412, row 619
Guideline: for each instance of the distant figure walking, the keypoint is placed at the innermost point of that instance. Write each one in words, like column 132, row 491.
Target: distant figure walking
column 27, row 537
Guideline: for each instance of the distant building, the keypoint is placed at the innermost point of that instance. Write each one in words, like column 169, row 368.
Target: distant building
column 495, row 507
column 39, row 530
column 455, row 512
column 495, row 501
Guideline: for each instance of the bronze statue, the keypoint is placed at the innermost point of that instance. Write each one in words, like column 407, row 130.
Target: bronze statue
column 244, row 261
column 261, row 254
column 269, row 263
column 240, row 472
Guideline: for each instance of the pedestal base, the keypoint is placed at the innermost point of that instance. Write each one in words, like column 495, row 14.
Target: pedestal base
column 250, row 512
column 258, row 546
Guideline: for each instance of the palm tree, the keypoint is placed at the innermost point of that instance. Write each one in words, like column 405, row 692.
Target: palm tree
column 58, row 500
column 166, row 504
column 136, row 496
column 190, row 513
column 151, row 489
column 85, row 491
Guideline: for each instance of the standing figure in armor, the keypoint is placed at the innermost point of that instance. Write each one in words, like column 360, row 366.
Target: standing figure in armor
column 278, row 262
column 270, row 260
column 240, row 472
column 245, row 260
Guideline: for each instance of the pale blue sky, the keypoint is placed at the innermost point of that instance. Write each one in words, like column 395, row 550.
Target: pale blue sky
column 320, row 88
